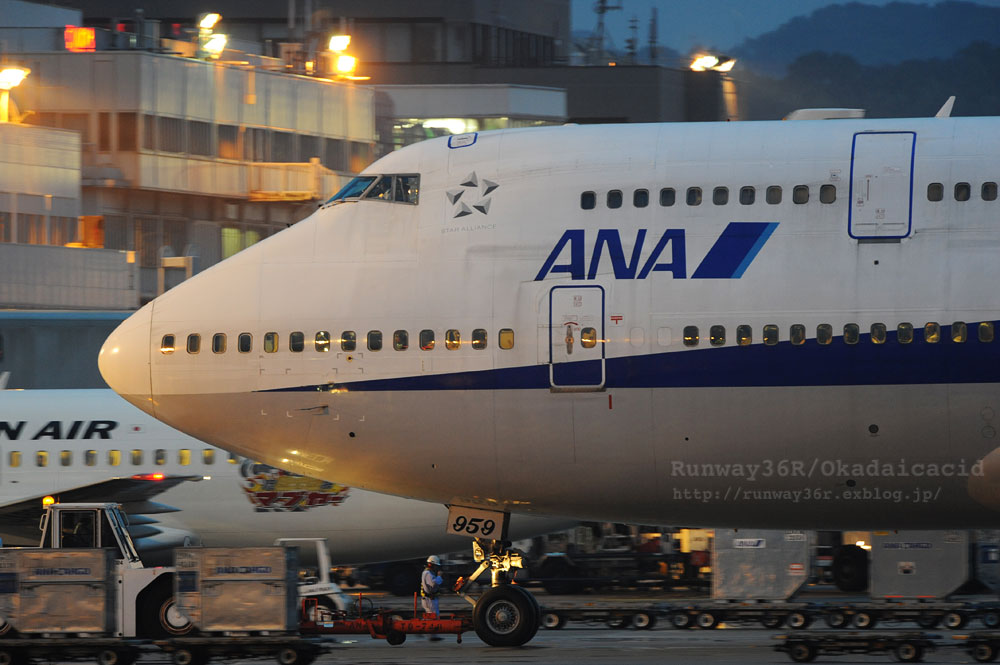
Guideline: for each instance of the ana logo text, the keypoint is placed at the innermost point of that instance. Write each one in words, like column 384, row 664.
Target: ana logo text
column 728, row 258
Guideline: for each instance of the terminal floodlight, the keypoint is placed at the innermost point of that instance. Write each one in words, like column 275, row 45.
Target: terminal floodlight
column 339, row 43
column 208, row 21
column 706, row 61
column 346, row 64
column 215, row 45
column 10, row 77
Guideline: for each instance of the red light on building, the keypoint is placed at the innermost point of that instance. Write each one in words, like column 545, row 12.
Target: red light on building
column 79, row 40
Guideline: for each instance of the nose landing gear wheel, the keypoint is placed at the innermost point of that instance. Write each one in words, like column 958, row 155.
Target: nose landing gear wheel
column 506, row 616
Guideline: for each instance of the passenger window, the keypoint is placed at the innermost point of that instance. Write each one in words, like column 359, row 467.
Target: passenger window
column 615, row 198
column 852, row 332
column 136, row 457
column 770, row 334
column 962, row 191
column 90, row 457
column 65, row 457
column 640, row 198
column 747, row 195
column 374, row 340
column 408, row 189
column 160, row 457
column 452, row 339
column 14, row 458
column 989, row 191
column 244, row 343
column 935, row 191
column 167, row 344
column 322, row 341
column 878, row 333
column 904, row 333
column 827, row 194
column 207, row 456
column 932, row 333
column 348, row 340
column 479, row 339
column 800, row 194
column 773, row 195
column 42, row 458
column 694, row 196
column 506, row 339
column 588, row 338
column 588, row 200
column 744, row 335
column 400, row 340
column 184, row 456
column 691, row 336
column 824, row 334
column 233, row 458
column 667, row 197
column 114, row 457
column 296, row 342
column 270, row 342
column 218, row 343
column 959, row 333
column 720, row 196
column 426, row 340
column 986, row 331
column 797, row 334
column 194, row 343
column 717, row 335
column 664, row 336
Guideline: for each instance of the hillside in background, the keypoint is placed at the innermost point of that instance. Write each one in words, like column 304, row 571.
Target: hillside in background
column 873, row 35
column 908, row 89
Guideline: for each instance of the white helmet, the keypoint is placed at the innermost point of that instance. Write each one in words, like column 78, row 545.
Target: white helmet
column 434, row 559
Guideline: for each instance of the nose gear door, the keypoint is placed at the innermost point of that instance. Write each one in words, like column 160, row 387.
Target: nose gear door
column 576, row 338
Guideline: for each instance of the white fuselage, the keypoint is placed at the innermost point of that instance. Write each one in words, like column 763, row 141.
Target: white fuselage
column 83, row 437
column 656, row 357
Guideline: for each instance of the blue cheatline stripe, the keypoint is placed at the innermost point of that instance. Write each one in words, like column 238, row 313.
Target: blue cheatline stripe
column 782, row 365
column 734, row 250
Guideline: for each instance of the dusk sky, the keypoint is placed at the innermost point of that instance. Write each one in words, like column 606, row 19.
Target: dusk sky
column 687, row 24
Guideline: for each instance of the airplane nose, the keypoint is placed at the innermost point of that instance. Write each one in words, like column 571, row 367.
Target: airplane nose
column 124, row 359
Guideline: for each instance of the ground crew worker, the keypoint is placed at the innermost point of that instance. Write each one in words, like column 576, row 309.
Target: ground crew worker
column 430, row 585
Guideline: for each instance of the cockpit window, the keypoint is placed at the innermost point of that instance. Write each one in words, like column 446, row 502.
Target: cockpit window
column 396, row 188
column 407, row 189
column 354, row 189
column 381, row 189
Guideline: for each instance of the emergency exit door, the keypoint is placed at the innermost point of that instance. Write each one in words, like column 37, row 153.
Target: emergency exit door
column 576, row 338
column 881, row 204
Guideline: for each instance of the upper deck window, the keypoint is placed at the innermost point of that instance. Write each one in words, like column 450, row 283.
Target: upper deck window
column 354, row 189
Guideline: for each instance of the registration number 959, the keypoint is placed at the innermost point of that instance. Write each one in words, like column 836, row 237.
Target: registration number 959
column 474, row 523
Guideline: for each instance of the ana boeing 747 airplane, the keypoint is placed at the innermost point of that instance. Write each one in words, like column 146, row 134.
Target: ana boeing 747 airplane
column 776, row 324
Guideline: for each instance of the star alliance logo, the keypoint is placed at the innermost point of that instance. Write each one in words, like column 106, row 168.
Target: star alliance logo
column 472, row 188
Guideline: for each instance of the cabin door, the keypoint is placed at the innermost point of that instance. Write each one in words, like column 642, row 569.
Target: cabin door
column 576, row 338
column 881, row 190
